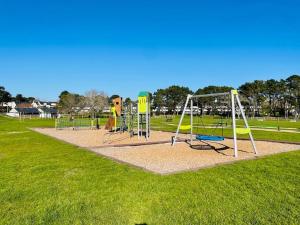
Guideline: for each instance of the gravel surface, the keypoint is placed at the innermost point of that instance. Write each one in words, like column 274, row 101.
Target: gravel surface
column 98, row 138
column 163, row 158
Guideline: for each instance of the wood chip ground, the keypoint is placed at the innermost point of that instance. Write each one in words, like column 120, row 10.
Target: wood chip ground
column 163, row 158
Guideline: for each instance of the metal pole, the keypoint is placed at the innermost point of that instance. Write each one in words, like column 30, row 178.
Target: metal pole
column 142, row 125
column 149, row 118
column 138, row 120
column 146, row 119
column 181, row 118
column 210, row 95
column 233, row 124
column 246, row 123
column 191, row 136
column 115, row 122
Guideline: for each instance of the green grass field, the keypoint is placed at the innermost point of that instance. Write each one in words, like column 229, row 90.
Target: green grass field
column 46, row 181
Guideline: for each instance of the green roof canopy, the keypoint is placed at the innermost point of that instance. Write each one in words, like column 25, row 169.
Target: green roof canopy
column 143, row 94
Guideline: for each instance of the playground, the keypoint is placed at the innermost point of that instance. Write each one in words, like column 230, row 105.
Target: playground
column 158, row 155
column 104, row 172
column 127, row 137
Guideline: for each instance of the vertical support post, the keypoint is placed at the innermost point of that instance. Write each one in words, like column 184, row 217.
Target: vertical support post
column 181, row 118
column 234, row 92
column 191, row 135
column 147, row 119
column 246, row 123
column 138, row 120
column 115, row 122
column 142, row 130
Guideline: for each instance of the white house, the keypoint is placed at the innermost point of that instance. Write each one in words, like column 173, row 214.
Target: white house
column 9, row 104
column 34, row 109
column 162, row 109
column 13, row 113
column 18, row 112
column 46, row 112
column 40, row 104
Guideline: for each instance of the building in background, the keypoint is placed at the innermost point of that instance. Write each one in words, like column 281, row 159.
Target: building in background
column 34, row 109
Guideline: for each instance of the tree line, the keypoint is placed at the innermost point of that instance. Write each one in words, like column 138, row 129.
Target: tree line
column 5, row 96
column 273, row 97
column 259, row 97
column 91, row 103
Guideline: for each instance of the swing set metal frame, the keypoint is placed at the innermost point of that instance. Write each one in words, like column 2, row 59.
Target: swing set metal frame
column 234, row 99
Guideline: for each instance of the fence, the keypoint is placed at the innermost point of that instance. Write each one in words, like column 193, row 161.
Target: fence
column 78, row 123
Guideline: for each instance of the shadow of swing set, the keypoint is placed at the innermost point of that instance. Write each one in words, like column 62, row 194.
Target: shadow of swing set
column 205, row 139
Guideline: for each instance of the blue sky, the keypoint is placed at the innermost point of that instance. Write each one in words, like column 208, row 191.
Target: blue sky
column 122, row 47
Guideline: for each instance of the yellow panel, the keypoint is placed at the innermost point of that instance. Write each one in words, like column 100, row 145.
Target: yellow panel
column 113, row 110
column 235, row 92
column 242, row 130
column 185, row 127
column 142, row 104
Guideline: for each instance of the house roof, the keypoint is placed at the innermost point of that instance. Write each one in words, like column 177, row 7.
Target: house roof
column 24, row 105
column 45, row 102
column 27, row 110
column 49, row 110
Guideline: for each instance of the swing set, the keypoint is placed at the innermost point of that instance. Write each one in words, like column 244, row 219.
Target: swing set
column 234, row 98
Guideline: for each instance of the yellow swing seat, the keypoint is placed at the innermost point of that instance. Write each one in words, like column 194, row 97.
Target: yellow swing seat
column 242, row 130
column 185, row 127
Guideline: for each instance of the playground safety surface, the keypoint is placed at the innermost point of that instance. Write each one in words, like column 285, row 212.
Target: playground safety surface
column 157, row 155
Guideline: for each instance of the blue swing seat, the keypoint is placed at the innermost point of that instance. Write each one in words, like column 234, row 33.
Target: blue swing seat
column 209, row 138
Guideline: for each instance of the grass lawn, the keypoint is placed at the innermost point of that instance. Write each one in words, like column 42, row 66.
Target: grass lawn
column 45, row 181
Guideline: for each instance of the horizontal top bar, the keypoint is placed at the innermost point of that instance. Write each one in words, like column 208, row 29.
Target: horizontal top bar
column 210, row 95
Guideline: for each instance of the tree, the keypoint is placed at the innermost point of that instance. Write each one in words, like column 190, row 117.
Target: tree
column 80, row 103
column 273, row 91
column 96, row 101
column 281, row 98
column 213, row 89
column 63, row 93
column 30, row 99
column 20, row 98
column 253, row 92
column 293, row 88
column 127, row 101
column 176, row 96
column 209, row 103
column 69, row 103
column 5, row 96
column 159, row 100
